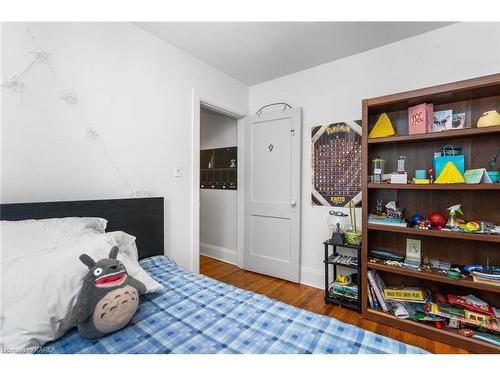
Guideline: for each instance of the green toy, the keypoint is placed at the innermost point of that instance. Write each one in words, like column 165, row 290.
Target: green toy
column 108, row 299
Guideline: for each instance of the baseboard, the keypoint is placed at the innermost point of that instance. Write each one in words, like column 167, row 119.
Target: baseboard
column 219, row 253
column 312, row 277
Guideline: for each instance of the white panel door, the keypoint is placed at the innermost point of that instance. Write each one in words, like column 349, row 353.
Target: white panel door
column 272, row 194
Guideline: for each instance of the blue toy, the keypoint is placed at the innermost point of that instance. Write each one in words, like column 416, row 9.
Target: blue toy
column 415, row 220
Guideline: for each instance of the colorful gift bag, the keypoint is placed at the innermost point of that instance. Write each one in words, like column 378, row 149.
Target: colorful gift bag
column 439, row 162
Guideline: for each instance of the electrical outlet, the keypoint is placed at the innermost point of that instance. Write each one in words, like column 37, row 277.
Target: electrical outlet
column 413, row 248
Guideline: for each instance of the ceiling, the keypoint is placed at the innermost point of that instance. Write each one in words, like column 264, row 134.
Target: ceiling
column 254, row 52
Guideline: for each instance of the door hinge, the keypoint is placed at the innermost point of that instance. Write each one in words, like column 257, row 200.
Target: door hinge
column 293, row 132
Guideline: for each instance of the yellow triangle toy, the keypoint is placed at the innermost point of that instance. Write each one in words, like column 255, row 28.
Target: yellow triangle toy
column 383, row 127
column 450, row 175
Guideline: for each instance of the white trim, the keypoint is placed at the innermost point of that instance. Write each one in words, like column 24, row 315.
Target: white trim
column 219, row 253
column 241, row 190
column 314, row 277
column 197, row 103
column 195, row 185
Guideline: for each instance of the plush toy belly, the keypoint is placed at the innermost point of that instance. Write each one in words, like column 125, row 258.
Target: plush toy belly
column 115, row 309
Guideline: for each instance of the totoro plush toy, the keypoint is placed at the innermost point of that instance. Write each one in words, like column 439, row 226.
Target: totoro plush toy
column 108, row 299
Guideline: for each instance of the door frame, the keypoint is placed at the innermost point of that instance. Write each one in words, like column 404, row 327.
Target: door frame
column 228, row 110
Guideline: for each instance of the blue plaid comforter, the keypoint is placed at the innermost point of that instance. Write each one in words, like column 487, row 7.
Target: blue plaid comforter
column 196, row 314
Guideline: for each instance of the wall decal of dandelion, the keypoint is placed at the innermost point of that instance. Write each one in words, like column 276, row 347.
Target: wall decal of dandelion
column 12, row 83
column 69, row 97
column 40, row 56
column 90, row 133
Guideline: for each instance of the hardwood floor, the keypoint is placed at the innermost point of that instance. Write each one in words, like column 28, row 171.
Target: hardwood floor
column 311, row 299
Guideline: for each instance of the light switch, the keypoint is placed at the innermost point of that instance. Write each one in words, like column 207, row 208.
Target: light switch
column 177, row 171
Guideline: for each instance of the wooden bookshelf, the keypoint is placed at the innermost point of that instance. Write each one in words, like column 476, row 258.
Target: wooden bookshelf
column 472, row 97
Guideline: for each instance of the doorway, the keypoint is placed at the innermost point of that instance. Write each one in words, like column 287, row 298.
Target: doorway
column 218, row 186
column 200, row 105
column 267, row 186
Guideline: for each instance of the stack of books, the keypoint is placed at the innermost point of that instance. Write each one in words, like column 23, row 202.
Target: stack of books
column 376, row 295
column 486, row 277
column 384, row 220
column 349, row 291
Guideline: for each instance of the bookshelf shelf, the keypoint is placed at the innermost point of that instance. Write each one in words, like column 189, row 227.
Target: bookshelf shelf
column 448, row 336
column 330, row 261
column 435, row 186
column 472, row 97
column 469, row 283
column 444, row 135
column 436, row 233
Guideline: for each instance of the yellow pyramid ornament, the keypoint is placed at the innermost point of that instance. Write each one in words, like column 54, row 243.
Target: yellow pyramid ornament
column 490, row 118
column 383, row 127
column 450, row 175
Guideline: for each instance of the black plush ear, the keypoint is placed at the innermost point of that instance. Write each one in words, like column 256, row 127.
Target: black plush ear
column 87, row 260
column 113, row 253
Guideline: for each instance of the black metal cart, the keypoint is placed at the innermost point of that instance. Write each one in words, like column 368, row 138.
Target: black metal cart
column 336, row 299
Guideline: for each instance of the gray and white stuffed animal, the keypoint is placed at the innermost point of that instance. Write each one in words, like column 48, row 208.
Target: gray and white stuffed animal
column 108, row 299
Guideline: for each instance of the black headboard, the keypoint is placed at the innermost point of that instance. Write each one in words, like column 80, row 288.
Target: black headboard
column 140, row 217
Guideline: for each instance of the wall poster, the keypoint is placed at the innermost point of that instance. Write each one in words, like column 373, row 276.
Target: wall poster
column 336, row 164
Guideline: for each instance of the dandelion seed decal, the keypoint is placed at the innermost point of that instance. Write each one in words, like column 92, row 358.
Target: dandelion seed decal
column 69, row 97
column 12, row 83
column 90, row 133
column 40, row 56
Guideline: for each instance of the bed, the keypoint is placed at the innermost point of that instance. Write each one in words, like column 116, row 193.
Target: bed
column 196, row 314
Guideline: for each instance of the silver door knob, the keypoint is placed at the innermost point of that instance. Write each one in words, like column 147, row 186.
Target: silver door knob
column 293, row 203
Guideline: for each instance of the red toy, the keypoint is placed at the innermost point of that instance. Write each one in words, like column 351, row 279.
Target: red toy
column 431, row 175
column 437, row 219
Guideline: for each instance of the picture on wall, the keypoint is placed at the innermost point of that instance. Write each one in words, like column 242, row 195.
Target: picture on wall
column 336, row 164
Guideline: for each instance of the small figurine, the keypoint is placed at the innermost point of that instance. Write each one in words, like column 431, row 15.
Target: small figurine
column 379, row 209
column 415, row 220
column 393, row 212
column 343, row 280
column 426, row 264
column 431, row 175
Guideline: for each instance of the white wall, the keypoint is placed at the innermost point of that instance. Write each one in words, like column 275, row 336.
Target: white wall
column 217, row 131
column 218, row 208
column 137, row 92
column 333, row 92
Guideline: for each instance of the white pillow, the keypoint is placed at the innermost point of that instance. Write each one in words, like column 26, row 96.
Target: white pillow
column 39, row 290
column 22, row 237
